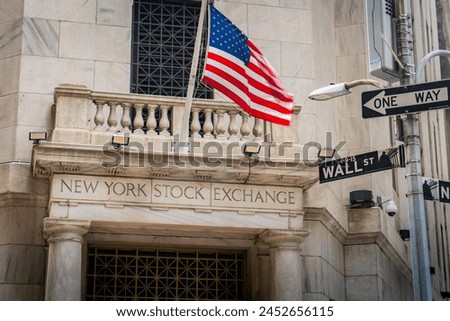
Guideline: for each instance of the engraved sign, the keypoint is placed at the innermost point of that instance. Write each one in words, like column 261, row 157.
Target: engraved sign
column 149, row 192
column 247, row 196
column 101, row 188
column 167, row 192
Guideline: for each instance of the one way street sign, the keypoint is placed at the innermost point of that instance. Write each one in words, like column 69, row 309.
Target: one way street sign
column 406, row 99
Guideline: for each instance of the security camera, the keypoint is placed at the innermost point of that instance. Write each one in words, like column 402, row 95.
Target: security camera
column 391, row 208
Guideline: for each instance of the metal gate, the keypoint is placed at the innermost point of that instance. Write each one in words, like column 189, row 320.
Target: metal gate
column 164, row 274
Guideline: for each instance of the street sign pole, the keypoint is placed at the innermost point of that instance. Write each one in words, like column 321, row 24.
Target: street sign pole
column 418, row 229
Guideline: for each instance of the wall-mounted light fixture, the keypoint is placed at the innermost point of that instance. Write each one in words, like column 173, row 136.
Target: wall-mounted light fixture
column 360, row 199
column 325, row 153
column 120, row 139
column 251, row 148
column 37, row 135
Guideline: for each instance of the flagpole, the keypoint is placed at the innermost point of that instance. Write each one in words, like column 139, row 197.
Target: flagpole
column 184, row 135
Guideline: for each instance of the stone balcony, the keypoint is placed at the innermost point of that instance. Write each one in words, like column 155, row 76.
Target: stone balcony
column 85, row 120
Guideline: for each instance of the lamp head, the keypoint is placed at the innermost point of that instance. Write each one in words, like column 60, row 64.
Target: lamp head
column 120, row 139
column 325, row 153
column 329, row 92
column 251, row 148
column 37, row 135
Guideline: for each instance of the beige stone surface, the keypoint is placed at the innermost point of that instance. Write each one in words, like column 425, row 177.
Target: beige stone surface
column 11, row 10
column 95, row 42
column 10, row 42
column 40, row 37
column 112, row 77
column 293, row 20
column 21, row 292
column 54, row 71
column 114, row 12
column 10, row 67
column 72, row 10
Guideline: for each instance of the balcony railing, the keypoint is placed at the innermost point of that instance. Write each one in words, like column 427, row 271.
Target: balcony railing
column 83, row 116
column 85, row 121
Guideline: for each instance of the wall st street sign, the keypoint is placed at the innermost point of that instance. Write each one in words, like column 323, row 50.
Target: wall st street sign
column 362, row 164
column 406, row 99
column 436, row 190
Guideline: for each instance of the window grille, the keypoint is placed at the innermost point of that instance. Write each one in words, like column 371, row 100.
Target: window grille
column 162, row 47
column 164, row 274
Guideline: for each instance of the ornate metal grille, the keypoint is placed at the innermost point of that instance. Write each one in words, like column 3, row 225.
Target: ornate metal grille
column 160, row 274
column 163, row 44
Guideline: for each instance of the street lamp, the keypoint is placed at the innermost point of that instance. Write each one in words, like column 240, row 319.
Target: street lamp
column 419, row 251
column 424, row 61
column 419, row 241
column 336, row 90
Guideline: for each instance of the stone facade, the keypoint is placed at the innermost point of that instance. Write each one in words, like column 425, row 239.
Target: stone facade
column 68, row 68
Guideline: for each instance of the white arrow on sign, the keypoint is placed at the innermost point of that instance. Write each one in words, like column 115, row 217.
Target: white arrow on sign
column 381, row 102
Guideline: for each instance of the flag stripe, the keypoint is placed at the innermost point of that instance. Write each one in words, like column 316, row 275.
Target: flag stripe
column 215, row 71
column 253, row 74
column 238, row 69
column 259, row 104
column 243, row 97
column 234, row 73
column 264, row 68
column 244, row 105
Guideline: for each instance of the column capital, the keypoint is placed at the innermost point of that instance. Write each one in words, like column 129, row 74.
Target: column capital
column 64, row 229
column 285, row 263
column 289, row 239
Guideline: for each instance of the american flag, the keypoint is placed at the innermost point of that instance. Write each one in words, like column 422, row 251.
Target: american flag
column 238, row 69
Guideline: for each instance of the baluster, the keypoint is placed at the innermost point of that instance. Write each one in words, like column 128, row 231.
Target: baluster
column 232, row 126
column 258, row 130
column 99, row 118
column 126, row 120
column 208, row 125
column 138, row 122
column 245, row 127
column 220, row 127
column 164, row 123
column 195, row 125
column 112, row 119
column 151, row 120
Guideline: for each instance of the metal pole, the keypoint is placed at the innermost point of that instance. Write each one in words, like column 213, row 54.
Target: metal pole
column 184, row 135
column 418, row 229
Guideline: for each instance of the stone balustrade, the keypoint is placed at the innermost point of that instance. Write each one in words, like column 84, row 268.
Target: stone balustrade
column 83, row 116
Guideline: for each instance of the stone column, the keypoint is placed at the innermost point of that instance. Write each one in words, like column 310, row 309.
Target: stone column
column 286, row 275
column 64, row 262
column 263, row 269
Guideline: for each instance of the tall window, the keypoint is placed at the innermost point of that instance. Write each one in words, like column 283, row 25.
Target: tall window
column 162, row 47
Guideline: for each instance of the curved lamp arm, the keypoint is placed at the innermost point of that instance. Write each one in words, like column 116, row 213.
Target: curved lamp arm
column 361, row 82
column 337, row 90
column 424, row 61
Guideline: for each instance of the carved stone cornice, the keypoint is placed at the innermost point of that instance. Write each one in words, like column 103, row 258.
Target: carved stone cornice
column 61, row 158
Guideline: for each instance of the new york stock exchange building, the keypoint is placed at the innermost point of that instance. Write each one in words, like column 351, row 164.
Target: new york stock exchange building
column 84, row 216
